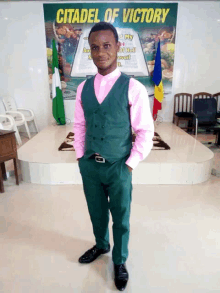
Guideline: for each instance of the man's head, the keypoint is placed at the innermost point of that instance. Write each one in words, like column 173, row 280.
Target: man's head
column 61, row 30
column 104, row 44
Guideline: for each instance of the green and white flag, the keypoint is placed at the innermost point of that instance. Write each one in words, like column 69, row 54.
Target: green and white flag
column 58, row 105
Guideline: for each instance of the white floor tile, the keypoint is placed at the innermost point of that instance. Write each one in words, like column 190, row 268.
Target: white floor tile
column 174, row 240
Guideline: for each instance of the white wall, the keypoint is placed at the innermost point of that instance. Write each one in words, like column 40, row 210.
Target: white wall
column 197, row 51
column 23, row 65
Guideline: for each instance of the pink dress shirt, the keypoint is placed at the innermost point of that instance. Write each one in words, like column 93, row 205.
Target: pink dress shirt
column 140, row 114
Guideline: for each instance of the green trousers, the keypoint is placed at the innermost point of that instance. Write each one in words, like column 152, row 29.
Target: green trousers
column 108, row 187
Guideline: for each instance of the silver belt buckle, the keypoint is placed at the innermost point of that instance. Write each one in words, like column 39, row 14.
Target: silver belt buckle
column 99, row 159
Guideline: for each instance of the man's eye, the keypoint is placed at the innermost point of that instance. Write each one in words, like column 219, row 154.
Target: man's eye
column 107, row 46
column 94, row 48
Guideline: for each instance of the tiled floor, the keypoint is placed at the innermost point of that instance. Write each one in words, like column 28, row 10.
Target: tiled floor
column 174, row 239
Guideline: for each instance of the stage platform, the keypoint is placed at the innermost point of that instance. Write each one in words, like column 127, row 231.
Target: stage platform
column 187, row 162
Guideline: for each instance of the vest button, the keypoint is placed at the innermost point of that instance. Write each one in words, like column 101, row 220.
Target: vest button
column 95, row 125
column 103, row 126
column 102, row 138
column 94, row 138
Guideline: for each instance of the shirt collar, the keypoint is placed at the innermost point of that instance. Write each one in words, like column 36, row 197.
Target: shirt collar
column 109, row 76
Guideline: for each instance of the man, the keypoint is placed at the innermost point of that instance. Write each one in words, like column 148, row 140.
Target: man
column 108, row 105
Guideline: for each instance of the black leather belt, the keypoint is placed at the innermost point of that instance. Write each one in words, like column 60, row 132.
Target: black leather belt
column 98, row 158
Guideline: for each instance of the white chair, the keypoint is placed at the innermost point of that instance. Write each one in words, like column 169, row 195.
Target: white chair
column 18, row 114
column 7, row 123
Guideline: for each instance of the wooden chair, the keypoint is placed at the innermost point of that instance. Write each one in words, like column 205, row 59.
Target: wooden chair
column 183, row 108
column 202, row 95
column 217, row 97
column 205, row 111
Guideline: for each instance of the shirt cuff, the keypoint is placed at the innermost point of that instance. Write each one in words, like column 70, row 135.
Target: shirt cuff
column 79, row 154
column 133, row 161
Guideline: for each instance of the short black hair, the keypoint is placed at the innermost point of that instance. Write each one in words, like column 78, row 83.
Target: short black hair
column 104, row 26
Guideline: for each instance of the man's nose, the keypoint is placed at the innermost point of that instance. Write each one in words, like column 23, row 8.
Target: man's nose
column 101, row 51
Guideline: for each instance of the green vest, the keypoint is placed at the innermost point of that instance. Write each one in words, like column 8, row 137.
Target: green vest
column 108, row 125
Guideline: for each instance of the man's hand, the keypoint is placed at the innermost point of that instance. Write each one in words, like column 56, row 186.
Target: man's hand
column 129, row 168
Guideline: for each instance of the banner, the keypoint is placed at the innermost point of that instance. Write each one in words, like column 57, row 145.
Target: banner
column 139, row 26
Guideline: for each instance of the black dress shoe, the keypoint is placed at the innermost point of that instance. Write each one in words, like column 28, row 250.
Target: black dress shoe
column 121, row 276
column 91, row 254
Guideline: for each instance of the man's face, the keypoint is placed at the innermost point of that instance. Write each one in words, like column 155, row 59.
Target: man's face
column 104, row 50
column 61, row 31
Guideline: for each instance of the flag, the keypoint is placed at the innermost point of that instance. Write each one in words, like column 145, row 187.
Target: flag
column 157, row 78
column 58, row 105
